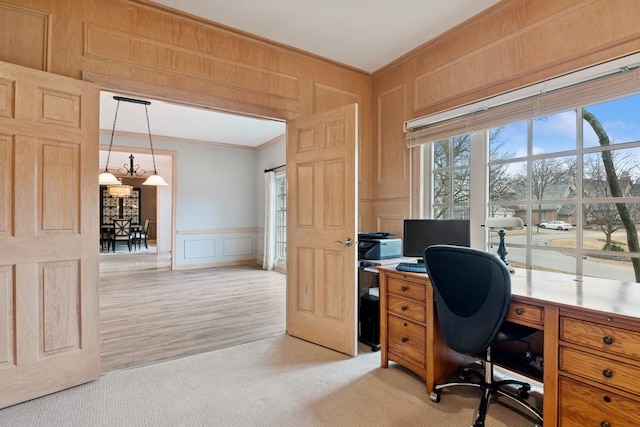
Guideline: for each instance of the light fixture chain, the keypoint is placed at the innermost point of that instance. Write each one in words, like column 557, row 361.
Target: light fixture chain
column 113, row 130
column 150, row 141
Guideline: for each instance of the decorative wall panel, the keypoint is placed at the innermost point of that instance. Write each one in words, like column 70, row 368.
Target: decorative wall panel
column 108, row 44
column 28, row 31
column 305, row 196
column 334, row 285
column 237, row 246
column 526, row 47
column 390, row 146
column 7, row 324
column 305, row 140
column 334, row 198
column 60, row 306
column 334, row 134
column 59, row 188
column 327, row 98
column 6, row 184
column 306, row 279
column 60, row 108
column 7, row 96
column 199, row 248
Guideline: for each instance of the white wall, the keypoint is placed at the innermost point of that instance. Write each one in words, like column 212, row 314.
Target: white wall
column 219, row 198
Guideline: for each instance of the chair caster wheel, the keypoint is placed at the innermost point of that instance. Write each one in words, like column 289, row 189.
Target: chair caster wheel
column 523, row 392
column 435, row 397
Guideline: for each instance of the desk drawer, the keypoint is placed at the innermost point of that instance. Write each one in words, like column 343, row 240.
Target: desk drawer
column 604, row 371
column 406, row 308
column 407, row 339
column 582, row 405
column 525, row 314
column 601, row 337
column 407, row 289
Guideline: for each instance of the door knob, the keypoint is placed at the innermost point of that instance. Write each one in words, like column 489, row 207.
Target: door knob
column 348, row 243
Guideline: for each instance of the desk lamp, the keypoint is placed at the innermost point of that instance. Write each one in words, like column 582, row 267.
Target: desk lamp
column 500, row 224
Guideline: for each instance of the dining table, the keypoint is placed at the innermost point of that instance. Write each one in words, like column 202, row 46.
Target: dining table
column 108, row 229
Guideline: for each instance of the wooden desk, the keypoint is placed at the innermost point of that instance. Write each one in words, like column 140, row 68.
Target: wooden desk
column 591, row 340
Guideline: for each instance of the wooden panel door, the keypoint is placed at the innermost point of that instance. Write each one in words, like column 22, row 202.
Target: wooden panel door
column 49, row 311
column 321, row 218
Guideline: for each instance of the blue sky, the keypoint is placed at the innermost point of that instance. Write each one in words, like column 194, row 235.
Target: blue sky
column 620, row 119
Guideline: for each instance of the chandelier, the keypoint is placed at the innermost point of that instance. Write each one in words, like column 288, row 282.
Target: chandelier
column 119, row 190
column 115, row 187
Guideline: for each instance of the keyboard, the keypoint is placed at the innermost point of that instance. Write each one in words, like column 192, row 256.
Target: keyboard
column 414, row 267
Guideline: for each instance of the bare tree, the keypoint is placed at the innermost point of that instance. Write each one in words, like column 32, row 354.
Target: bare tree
column 616, row 190
column 603, row 215
column 447, row 153
column 499, row 180
column 545, row 174
column 454, row 152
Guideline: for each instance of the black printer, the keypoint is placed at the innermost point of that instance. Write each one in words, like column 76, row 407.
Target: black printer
column 378, row 245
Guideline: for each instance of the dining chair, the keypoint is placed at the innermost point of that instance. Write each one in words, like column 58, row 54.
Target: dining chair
column 142, row 234
column 105, row 239
column 121, row 233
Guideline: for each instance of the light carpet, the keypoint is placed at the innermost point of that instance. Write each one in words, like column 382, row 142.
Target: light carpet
column 280, row 381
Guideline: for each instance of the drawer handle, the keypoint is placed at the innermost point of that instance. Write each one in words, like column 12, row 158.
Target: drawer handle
column 404, row 288
column 404, row 339
column 404, row 308
column 607, row 373
column 607, row 340
column 605, row 424
column 607, row 398
column 519, row 311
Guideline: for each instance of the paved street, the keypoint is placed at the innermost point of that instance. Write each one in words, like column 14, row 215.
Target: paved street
column 560, row 261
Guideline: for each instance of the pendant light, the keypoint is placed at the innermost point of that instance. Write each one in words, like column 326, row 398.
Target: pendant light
column 109, row 179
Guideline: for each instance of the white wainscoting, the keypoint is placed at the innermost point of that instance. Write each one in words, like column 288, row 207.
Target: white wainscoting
column 214, row 248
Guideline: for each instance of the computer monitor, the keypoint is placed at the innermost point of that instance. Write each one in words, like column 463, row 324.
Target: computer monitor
column 421, row 233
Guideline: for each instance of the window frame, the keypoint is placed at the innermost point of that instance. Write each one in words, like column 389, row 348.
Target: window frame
column 280, row 223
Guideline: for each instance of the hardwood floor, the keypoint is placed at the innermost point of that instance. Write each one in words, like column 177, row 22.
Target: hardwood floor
column 149, row 314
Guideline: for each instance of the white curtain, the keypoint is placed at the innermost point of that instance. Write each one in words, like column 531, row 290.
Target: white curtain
column 268, row 259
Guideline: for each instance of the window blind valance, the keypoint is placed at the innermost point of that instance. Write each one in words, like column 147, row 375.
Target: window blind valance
column 625, row 82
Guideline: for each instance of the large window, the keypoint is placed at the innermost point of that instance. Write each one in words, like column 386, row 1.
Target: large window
column 572, row 176
column 451, row 175
column 281, row 222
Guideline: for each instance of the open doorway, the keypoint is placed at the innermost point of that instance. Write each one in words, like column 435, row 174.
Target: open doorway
column 214, row 211
column 208, row 178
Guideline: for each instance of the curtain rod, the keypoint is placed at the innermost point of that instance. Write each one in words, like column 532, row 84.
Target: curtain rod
column 272, row 169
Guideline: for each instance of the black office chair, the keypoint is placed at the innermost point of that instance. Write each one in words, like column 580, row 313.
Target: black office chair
column 472, row 295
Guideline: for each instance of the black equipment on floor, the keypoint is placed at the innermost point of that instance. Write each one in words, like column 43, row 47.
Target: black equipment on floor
column 369, row 320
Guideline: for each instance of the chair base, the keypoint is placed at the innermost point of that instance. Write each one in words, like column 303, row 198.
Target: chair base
column 490, row 387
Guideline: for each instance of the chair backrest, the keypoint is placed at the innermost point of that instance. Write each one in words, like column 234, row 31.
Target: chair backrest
column 472, row 291
column 121, row 228
column 145, row 228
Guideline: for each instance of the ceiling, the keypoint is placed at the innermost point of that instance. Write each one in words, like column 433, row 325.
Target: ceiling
column 362, row 34
column 178, row 121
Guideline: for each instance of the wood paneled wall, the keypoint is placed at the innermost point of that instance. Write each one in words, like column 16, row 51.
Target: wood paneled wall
column 513, row 44
column 148, row 50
